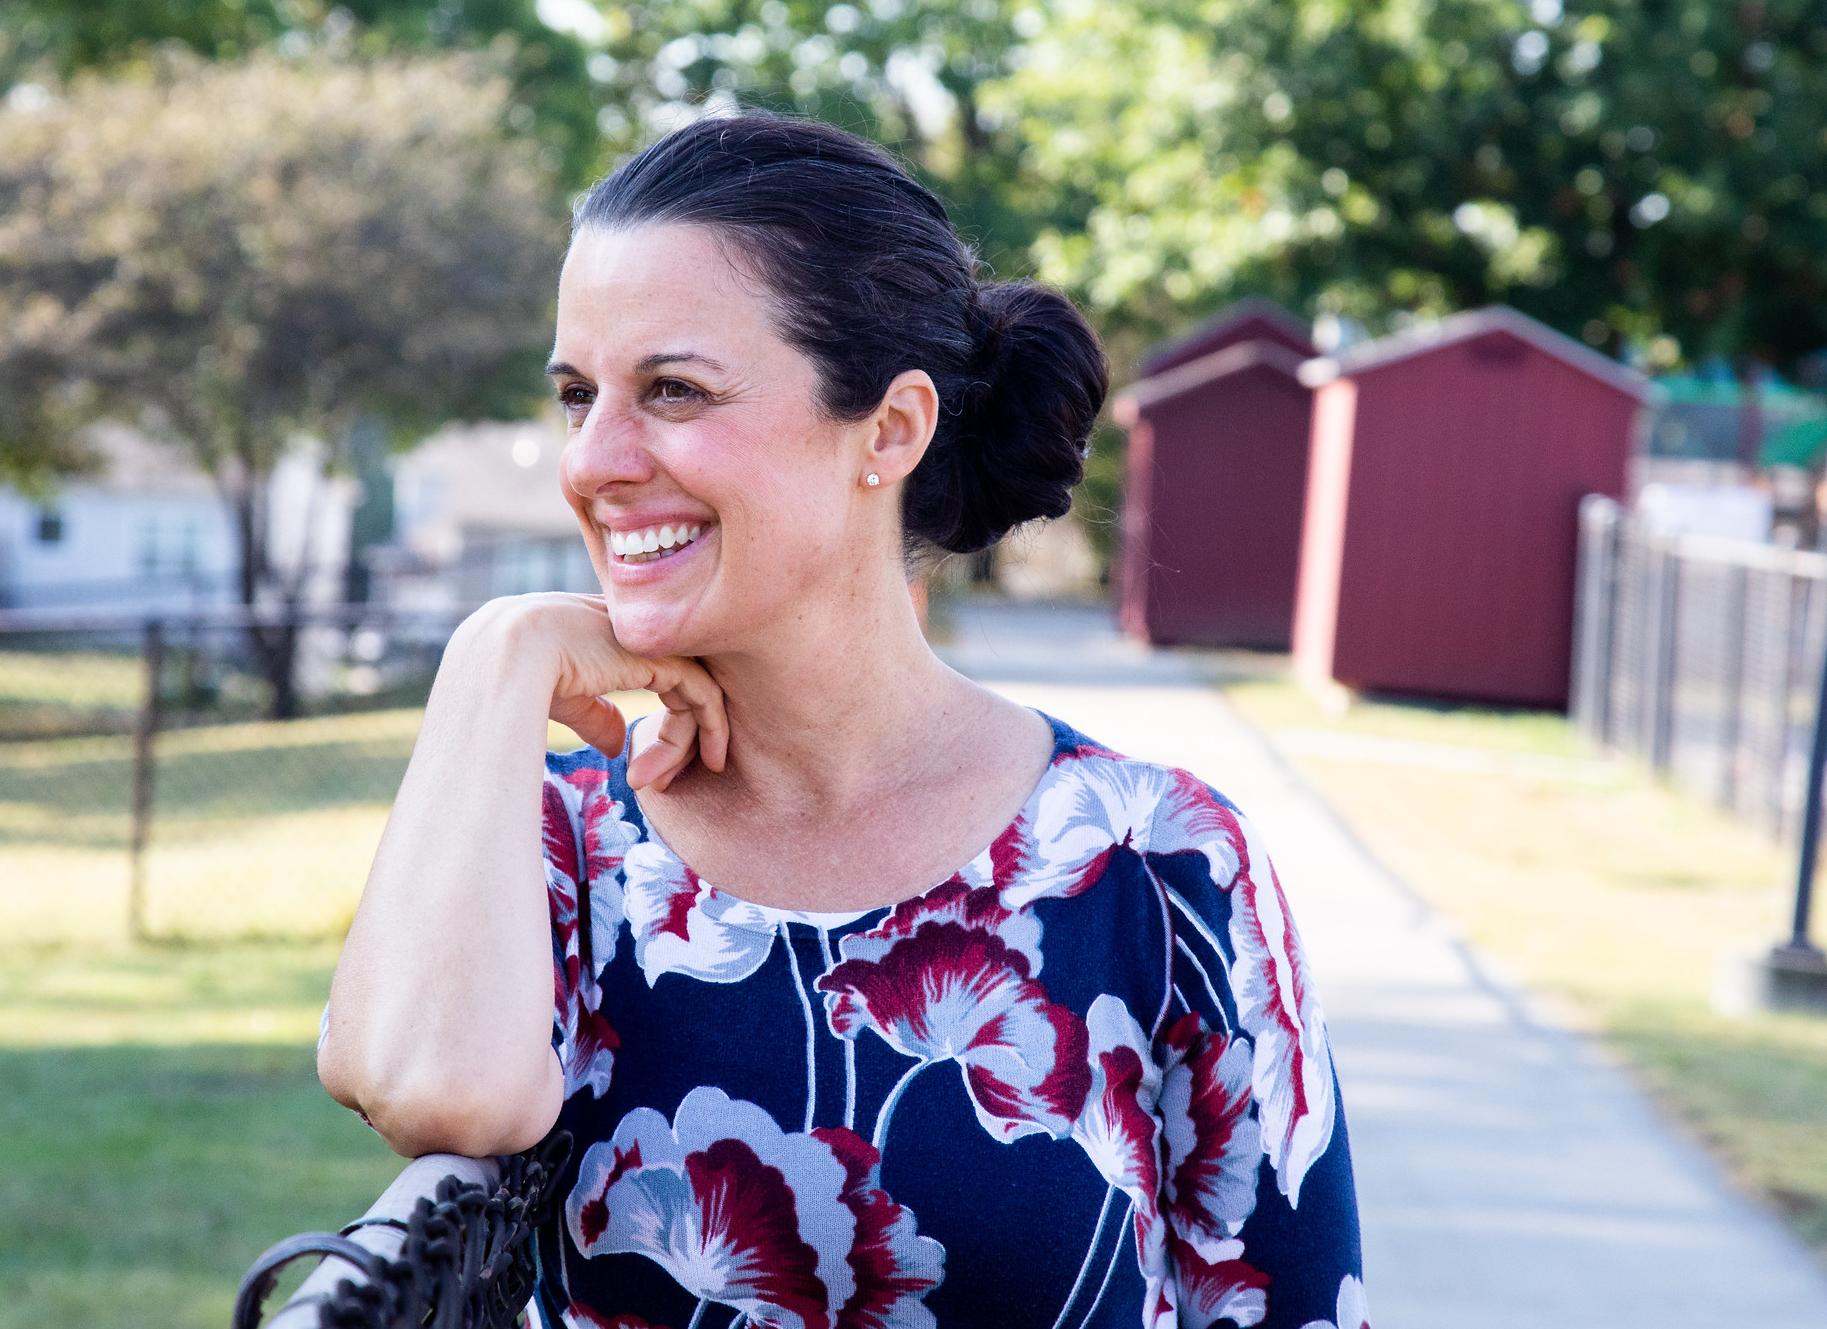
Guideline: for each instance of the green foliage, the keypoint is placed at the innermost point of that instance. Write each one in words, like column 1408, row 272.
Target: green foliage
column 907, row 76
column 551, row 95
column 1622, row 170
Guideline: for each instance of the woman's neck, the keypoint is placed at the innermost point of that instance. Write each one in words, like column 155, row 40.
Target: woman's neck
column 829, row 713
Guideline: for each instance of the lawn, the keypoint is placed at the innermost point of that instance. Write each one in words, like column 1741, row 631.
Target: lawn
column 1588, row 879
column 163, row 1125
column 162, row 1122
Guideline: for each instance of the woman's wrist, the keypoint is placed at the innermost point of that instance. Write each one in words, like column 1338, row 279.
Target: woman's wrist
column 502, row 645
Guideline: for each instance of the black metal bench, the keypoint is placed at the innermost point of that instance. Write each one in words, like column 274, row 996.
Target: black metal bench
column 449, row 1245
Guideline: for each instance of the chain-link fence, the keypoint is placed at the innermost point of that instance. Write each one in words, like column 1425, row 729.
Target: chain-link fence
column 221, row 774
column 1703, row 656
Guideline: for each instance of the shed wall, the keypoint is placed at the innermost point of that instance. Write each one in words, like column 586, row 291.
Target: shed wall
column 1455, row 568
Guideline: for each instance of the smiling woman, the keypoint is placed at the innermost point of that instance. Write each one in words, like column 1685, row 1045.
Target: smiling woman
column 833, row 1089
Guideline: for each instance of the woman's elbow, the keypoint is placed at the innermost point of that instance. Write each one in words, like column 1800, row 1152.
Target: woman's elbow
column 450, row 1118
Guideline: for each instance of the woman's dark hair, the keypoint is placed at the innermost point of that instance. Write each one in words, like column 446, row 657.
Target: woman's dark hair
column 869, row 278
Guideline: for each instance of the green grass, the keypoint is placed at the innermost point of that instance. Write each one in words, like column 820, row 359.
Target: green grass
column 259, row 828
column 163, row 1124
column 160, row 1115
column 1593, row 881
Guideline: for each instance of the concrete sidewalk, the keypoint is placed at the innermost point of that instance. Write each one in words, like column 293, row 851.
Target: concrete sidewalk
column 1509, row 1176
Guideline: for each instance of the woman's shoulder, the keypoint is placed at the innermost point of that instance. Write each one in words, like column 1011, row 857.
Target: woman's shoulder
column 1152, row 806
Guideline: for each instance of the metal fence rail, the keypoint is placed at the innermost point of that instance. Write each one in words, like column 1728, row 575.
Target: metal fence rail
column 1701, row 655
column 153, row 785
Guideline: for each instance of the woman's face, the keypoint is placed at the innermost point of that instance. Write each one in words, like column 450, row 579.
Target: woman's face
column 684, row 409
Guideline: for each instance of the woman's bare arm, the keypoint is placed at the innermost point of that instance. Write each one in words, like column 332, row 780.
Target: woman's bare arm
column 441, row 1006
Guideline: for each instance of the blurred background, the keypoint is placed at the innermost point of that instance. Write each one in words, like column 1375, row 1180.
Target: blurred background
column 1465, row 458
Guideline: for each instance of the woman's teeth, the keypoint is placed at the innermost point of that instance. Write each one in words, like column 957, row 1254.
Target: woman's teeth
column 646, row 546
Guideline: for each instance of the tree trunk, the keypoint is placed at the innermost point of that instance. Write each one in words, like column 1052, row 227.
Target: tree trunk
column 274, row 648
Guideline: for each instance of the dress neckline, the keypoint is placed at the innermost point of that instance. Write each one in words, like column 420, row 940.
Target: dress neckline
column 736, row 910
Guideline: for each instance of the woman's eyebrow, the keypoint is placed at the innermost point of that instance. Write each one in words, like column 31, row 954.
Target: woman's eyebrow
column 646, row 363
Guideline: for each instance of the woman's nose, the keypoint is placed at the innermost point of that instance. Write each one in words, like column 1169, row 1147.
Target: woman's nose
column 607, row 449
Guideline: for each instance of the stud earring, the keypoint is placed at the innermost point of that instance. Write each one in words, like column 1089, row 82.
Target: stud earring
column 873, row 479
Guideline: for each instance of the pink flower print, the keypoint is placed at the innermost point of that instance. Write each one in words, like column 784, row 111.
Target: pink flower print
column 1118, row 1128
column 589, row 1045
column 557, row 830
column 1353, row 1310
column 949, row 977
column 608, row 836
column 736, row 1210
column 894, row 1266
column 1277, row 1006
column 1121, row 1134
column 1212, row 1142
column 1190, row 817
column 981, row 907
column 682, row 924
column 1226, row 1288
column 1093, row 807
column 579, row 799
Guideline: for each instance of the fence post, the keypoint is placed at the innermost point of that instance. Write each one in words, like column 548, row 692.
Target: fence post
column 153, row 656
column 1611, row 576
column 1784, row 703
column 1799, row 947
column 1668, row 637
column 1735, row 688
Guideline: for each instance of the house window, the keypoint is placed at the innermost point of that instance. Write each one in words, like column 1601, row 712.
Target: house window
column 50, row 526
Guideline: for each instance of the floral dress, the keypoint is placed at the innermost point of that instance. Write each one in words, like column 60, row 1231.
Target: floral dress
column 1084, row 1081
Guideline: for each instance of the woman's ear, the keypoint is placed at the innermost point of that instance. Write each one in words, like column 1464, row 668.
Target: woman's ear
column 904, row 425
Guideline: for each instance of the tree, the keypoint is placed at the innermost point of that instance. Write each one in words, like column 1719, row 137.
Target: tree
column 1642, row 172
column 231, row 255
column 552, row 102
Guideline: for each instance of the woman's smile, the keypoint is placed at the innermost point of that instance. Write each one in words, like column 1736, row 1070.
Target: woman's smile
column 642, row 568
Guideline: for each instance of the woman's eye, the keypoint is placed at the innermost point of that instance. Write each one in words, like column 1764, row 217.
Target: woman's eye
column 685, row 392
column 575, row 396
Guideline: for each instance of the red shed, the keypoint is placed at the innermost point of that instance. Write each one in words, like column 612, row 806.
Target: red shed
column 1447, row 467
column 1217, row 465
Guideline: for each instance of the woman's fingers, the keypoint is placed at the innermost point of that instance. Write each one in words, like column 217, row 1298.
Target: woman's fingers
column 597, row 721
column 668, row 754
column 685, row 687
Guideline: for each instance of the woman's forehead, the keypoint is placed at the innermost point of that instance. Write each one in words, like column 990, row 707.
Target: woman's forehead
column 653, row 284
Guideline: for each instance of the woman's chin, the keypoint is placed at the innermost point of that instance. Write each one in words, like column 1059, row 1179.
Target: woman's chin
column 651, row 633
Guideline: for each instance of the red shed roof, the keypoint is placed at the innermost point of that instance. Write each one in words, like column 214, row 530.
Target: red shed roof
column 1195, row 373
column 1252, row 318
column 1473, row 323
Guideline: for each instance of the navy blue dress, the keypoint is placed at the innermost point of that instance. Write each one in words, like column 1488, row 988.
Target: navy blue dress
column 1084, row 1081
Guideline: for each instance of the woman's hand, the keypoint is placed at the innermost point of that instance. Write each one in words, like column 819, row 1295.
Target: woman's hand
column 572, row 632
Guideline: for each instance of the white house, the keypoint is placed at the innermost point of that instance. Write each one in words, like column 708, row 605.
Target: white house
column 150, row 533
column 479, row 511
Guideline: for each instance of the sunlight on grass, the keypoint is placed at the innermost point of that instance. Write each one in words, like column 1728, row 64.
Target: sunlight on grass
column 1607, row 888
column 161, row 1120
column 260, row 829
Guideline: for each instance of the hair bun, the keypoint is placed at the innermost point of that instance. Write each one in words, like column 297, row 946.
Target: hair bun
column 1036, row 381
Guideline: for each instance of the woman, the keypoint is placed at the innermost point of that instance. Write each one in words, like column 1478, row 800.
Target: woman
column 1081, row 1079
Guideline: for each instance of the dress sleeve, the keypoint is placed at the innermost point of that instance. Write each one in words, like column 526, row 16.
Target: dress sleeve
column 582, row 833
column 1257, row 1193
column 561, row 844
